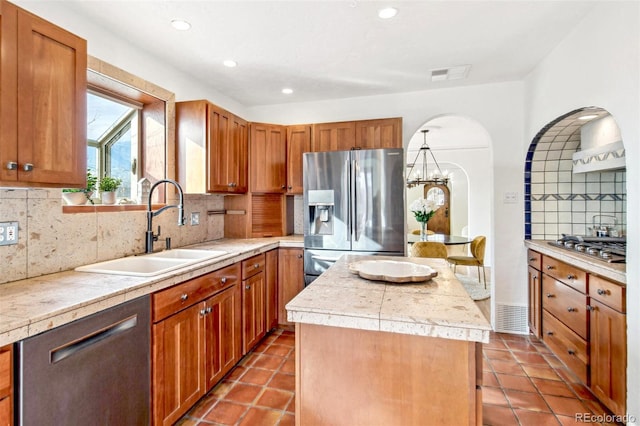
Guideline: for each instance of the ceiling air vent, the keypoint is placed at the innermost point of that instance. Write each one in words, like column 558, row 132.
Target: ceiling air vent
column 451, row 73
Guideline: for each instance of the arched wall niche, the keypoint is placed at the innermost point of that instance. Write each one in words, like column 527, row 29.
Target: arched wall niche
column 559, row 201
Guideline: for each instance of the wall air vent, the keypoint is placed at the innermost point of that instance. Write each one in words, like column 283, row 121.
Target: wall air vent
column 451, row 73
column 512, row 318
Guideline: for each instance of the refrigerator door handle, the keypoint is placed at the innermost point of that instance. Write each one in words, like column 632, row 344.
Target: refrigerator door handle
column 345, row 196
column 360, row 204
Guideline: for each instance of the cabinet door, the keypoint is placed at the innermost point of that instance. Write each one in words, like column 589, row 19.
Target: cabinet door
column 298, row 142
column 8, row 93
column 290, row 279
column 238, row 155
column 384, row 133
column 253, row 313
column 271, row 282
column 6, row 386
column 219, row 150
column 223, row 339
column 333, row 136
column 268, row 158
column 608, row 351
column 52, row 84
column 535, row 304
column 178, row 377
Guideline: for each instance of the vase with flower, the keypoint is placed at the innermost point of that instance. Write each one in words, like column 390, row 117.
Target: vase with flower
column 423, row 210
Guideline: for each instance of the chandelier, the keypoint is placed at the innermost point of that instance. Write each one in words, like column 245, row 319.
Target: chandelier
column 421, row 177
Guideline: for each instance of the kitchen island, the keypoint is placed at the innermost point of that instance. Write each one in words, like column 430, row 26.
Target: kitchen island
column 377, row 353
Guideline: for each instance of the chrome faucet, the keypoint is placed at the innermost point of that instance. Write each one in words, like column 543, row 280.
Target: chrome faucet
column 150, row 236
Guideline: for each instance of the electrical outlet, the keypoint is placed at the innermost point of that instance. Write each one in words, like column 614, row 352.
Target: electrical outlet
column 195, row 218
column 510, row 198
column 8, row 233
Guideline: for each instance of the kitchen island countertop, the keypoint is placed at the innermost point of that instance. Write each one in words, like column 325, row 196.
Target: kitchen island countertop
column 439, row 307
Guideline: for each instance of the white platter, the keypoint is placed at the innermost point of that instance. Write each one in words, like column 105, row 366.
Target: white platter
column 392, row 271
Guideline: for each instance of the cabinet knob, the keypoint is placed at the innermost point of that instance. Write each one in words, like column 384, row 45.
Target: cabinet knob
column 208, row 309
column 570, row 309
column 571, row 277
column 12, row 165
column 27, row 167
column 256, row 265
column 184, row 297
column 531, row 259
column 590, row 308
column 300, row 256
column 223, row 280
column 535, row 277
column 283, row 187
column 290, row 187
column 248, row 287
column 571, row 352
column 230, row 184
column 549, row 267
column 602, row 292
column 551, row 295
column 203, row 312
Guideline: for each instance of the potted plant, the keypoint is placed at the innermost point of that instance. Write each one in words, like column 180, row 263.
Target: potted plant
column 108, row 186
column 79, row 196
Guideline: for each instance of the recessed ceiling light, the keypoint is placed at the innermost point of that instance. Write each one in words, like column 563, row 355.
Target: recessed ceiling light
column 287, row 91
column 387, row 12
column 587, row 117
column 230, row 63
column 180, row 25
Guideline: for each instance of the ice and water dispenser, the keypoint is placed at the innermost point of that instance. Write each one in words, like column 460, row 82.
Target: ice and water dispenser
column 321, row 211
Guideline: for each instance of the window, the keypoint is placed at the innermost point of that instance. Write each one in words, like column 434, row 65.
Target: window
column 113, row 141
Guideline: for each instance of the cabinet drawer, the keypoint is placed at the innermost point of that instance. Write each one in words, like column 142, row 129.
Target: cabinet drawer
column 534, row 259
column 5, row 371
column 568, row 274
column 252, row 266
column 566, row 345
column 566, row 304
column 611, row 294
column 168, row 302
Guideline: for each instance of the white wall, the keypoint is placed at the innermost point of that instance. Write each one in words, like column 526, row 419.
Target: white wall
column 598, row 64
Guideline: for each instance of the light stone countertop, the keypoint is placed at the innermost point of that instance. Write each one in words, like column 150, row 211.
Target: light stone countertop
column 613, row 271
column 439, row 307
column 34, row 305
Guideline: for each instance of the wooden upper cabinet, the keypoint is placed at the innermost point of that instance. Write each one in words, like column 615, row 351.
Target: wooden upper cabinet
column 211, row 150
column 298, row 142
column 268, row 159
column 363, row 134
column 384, row 133
column 333, row 136
column 44, row 82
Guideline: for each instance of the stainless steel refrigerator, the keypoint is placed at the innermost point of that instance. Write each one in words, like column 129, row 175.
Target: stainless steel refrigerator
column 353, row 203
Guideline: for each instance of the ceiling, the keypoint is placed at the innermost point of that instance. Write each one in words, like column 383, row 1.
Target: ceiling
column 337, row 49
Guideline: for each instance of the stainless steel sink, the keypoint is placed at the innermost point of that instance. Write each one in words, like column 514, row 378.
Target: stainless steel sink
column 152, row 264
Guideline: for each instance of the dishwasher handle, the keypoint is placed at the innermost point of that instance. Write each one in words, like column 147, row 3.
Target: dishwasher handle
column 69, row 349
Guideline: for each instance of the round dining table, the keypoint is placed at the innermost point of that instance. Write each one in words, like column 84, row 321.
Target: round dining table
column 448, row 240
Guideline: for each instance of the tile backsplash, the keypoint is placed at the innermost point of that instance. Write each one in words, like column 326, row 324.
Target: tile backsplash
column 558, row 201
column 52, row 241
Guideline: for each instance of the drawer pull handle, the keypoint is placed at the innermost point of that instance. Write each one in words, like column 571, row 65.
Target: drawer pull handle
column 571, row 352
column 223, row 280
column 570, row 309
column 549, row 267
column 551, row 295
column 248, row 287
column 549, row 333
column 531, row 259
column 184, row 297
column 571, row 277
column 602, row 292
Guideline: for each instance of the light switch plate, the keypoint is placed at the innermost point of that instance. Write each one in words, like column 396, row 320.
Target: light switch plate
column 8, row 233
column 195, row 218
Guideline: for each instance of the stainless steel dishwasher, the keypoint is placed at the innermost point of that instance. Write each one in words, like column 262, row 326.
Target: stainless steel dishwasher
column 95, row 370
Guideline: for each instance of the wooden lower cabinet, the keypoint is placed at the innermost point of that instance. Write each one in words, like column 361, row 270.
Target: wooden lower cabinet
column 178, row 379
column 290, row 279
column 253, row 311
column 197, row 344
column 6, row 385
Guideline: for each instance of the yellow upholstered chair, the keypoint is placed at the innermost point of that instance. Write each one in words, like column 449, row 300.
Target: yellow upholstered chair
column 417, row 232
column 429, row 249
column 476, row 259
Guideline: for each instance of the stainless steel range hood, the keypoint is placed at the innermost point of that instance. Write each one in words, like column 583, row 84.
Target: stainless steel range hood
column 600, row 159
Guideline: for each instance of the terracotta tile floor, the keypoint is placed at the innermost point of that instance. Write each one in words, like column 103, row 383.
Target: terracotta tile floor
column 523, row 384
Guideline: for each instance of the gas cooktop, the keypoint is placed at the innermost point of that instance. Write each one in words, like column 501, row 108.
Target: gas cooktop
column 607, row 249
